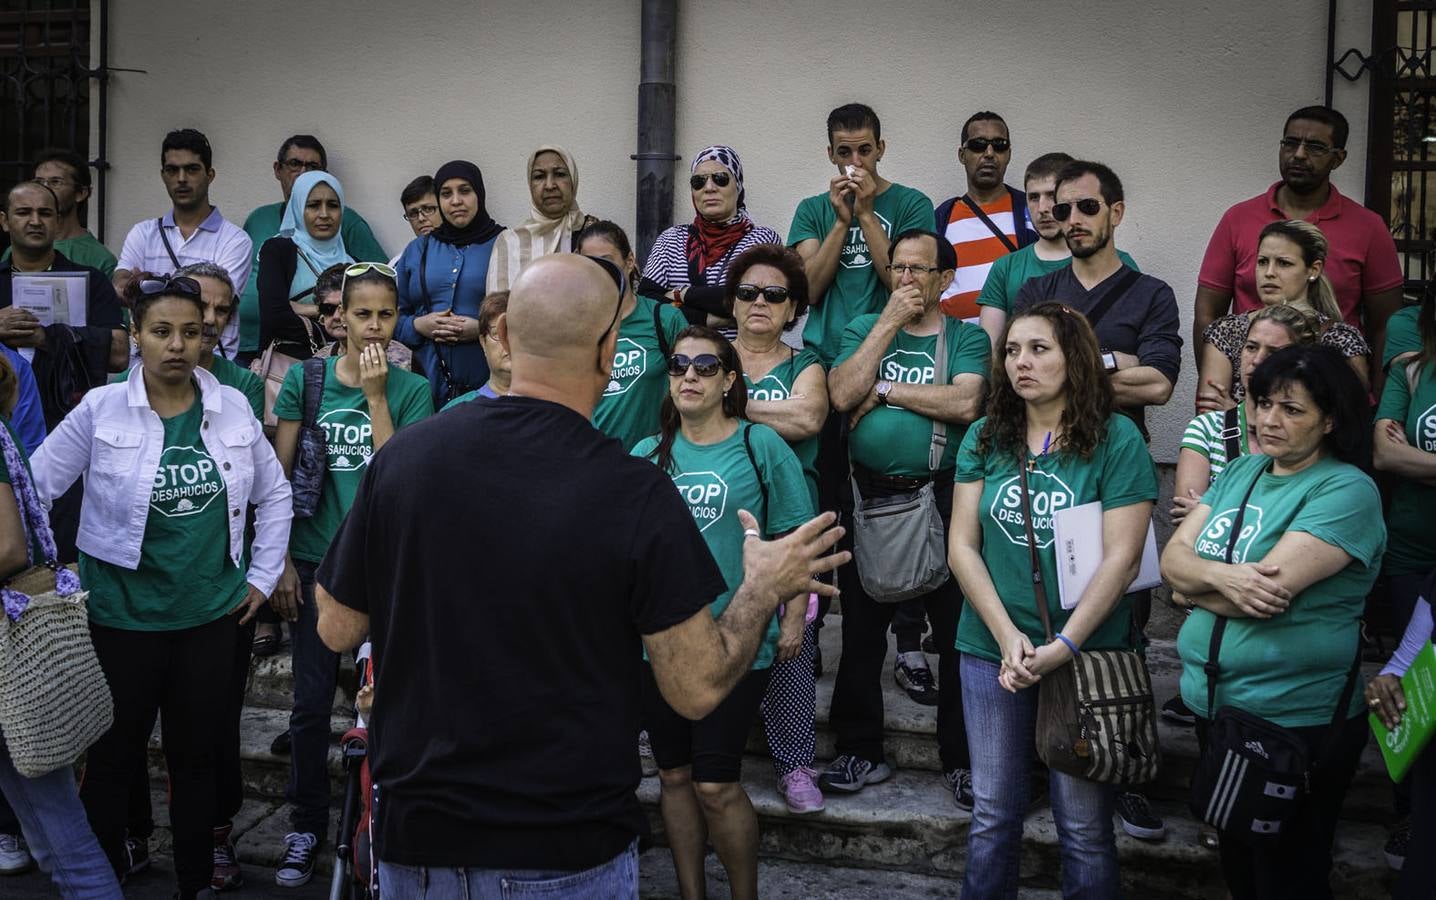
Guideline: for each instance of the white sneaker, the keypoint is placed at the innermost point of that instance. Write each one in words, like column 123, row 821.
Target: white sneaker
column 298, row 864
column 14, row 858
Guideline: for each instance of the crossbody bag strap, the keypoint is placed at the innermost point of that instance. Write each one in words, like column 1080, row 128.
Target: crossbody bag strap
column 1231, row 435
column 939, row 377
column 1118, row 290
column 758, row 473
column 314, row 372
column 424, row 272
column 663, row 347
column 160, row 224
column 1219, row 628
column 991, row 225
column 1039, row 589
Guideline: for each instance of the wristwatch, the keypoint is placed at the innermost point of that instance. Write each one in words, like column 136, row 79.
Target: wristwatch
column 883, row 388
column 1109, row 361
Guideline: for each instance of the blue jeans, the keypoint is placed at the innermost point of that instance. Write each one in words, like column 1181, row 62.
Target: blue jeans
column 58, row 832
column 615, row 879
column 316, row 675
column 1001, row 729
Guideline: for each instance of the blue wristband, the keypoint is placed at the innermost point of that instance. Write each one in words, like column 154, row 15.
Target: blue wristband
column 1068, row 641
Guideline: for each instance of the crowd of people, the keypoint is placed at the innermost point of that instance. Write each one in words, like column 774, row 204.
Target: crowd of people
column 615, row 501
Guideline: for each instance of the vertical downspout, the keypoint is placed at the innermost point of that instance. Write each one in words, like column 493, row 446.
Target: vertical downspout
column 656, row 101
column 101, row 162
column 1330, row 67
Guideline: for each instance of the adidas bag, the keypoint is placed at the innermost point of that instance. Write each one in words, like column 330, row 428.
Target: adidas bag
column 1252, row 778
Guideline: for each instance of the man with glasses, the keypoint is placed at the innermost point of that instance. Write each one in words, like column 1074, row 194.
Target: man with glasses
column 421, row 205
column 192, row 231
column 68, row 175
column 1361, row 263
column 298, row 154
column 885, row 378
column 990, row 220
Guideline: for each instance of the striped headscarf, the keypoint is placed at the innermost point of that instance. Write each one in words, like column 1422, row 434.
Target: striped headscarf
column 538, row 235
column 710, row 242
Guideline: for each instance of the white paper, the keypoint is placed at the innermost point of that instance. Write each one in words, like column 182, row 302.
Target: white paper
column 1077, row 534
column 55, row 298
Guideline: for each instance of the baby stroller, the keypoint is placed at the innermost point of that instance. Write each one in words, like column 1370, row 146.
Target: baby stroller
column 356, row 870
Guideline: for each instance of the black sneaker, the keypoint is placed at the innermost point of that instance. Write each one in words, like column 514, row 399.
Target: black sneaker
column 1137, row 817
column 280, row 745
column 297, row 866
column 916, row 679
column 960, row 780
column 1396, row 844
column 929, row 645
column 849, row 774
column 137, row 856
column 1174, row 710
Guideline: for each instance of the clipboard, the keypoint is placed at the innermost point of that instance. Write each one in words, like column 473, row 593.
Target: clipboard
column 1077, row 535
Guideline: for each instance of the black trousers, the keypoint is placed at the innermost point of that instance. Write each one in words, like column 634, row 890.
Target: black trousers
column 182, row 676
column 1418, row 874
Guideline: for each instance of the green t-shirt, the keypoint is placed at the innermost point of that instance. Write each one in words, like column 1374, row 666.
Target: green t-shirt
column 85, row 250
column 1009, row 273
column 185, row 577
column 230, row 375
column 628, row 409
column 1403, row 334
column 1204, row 436
column 716, row 480
column 349, row 436
column 856, row 289
column 1411, row 547
column 895, row 441
column 778, row 385
column 263, row 224
column 1119, row 473
column 1289, row 669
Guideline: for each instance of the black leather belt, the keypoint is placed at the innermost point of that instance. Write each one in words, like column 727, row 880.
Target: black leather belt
column 873, row 482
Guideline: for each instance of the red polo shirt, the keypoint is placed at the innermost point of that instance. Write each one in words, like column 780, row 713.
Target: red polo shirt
column 1361, row 260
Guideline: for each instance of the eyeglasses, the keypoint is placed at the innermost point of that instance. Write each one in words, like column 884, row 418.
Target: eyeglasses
column 181, row 285
column 1313, row 148
column 905, row 269
column 721, row 179
column 705, row 364
column 773, row 293
column 301, row 165
column 56, row 182
column 620, row 281
column 328, row 309
column 1087, row 206
column 980, row 145
column 420, row 212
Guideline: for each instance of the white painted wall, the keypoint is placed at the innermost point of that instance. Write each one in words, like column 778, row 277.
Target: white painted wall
column 1184, row 100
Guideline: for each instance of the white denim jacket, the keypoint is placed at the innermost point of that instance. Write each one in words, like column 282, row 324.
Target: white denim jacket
column 115, row 440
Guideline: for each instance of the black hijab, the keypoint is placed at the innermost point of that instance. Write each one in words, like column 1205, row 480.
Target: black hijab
column 482, row 227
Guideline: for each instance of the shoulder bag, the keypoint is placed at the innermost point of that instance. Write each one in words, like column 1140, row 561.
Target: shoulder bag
column 311, row 454
column 1253, row 778
column 1095, row 716
column 54, row 700
column 899, row 544
column 273, row 364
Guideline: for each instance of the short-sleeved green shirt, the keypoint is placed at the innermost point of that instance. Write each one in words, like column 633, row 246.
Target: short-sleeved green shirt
column 1403, row 334
column 1009, row 273
column 1412, row 540
column 349, row 436
column 185, row 577
column 717, row 480
column 778, row 385
column 894, row 441
column 1119, row 473
column 1289, row 669
column 231, row 375
column 628, row 409
column 1204, row 435
column 856, row 289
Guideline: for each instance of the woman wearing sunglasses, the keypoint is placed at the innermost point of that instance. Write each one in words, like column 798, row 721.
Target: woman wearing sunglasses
column 442, row 278
column 554, row 218
column 364, row 402
column 720, row 464
column 331, row 319
column 767, row 290
column 628, row 409
column 171, row 458
column 687, row 263
column 309, row 242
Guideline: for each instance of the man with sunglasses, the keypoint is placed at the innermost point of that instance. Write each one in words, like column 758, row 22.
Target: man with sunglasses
column 990, row 220
column 298, row 154
column 1361, row 263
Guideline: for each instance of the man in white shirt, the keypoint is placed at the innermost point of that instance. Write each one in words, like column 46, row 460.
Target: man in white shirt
column 193, row 231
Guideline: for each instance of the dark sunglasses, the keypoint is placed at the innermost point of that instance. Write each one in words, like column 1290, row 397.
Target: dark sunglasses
column 772, row 293
column 182, row 285
column 721, row 179
column 1086, row 206
column 980, row 145
column 705, row 364
column 328, row 309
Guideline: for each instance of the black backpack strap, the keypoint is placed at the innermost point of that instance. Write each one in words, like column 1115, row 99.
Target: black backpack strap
column 991, row 225
column 160, row 224
column 1124, row 284
column 314, row 371
column 1211, row 669
column 753, row 460
column 1231, row 434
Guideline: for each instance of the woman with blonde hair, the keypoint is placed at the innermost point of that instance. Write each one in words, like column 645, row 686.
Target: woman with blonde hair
column 554, row 218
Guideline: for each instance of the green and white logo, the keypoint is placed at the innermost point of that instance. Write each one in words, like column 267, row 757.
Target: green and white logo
column 1426, row 430
column 1212, row 542
column 855, row 254
column 768, row 388
column 630, row 361
column 186, row 482
column 706, row 495
column 349, row 437
column 907, row 367
column 1049, row 494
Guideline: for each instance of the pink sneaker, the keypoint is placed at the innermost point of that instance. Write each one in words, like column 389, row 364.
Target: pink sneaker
column 800, row 792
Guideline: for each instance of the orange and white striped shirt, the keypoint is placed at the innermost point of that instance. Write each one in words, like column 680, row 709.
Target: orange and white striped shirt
column 977, row 249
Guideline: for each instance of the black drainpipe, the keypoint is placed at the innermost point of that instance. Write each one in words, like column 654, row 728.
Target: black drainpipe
column 101, row 161
column 656, row 95
column 1330, row 67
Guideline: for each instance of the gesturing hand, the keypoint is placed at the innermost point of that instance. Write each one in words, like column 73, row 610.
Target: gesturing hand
column 790, row 565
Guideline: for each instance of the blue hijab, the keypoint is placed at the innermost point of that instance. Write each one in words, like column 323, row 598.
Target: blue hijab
column 314, row 255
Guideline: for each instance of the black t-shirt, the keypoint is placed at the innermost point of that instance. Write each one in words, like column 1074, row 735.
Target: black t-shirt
column 509, row 557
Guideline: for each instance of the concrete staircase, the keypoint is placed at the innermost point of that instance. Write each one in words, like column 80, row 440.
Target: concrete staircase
column 904, row 837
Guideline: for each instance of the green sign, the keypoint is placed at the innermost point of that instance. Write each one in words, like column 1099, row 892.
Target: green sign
column 1402, row 744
